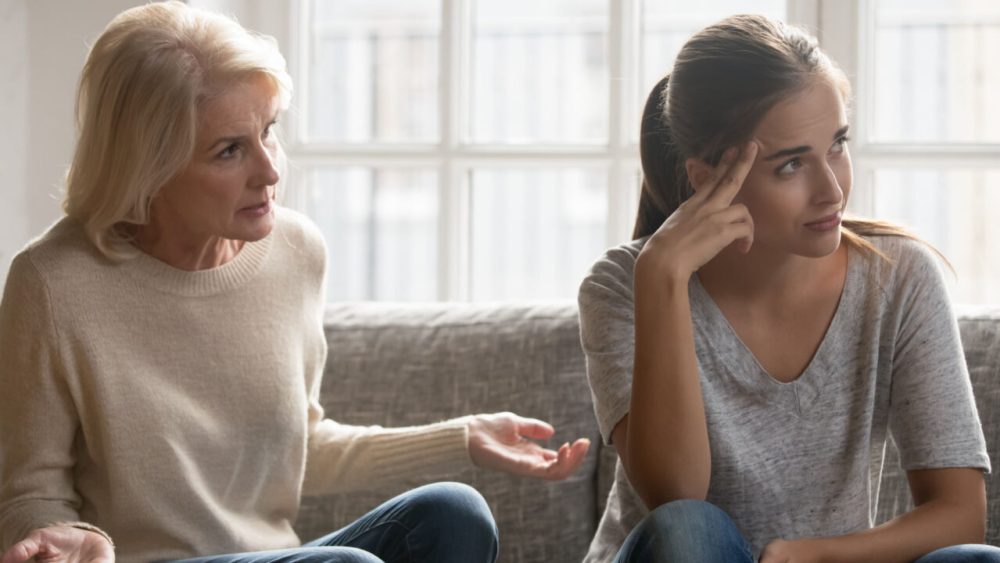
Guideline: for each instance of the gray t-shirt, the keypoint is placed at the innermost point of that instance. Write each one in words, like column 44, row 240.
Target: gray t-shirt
column 801, row 459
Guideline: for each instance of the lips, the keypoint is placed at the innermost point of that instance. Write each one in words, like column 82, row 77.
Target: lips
column 833, row 217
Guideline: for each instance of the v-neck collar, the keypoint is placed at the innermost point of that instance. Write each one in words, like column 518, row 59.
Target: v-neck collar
column 744, row 367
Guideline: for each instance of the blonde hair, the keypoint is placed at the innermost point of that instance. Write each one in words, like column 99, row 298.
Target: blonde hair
column 137, row 109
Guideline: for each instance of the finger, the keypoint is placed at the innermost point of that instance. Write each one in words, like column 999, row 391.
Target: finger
column 571, row 458
column 22, row 551
column 731, row 181
column 704, row 187
column 534, row 428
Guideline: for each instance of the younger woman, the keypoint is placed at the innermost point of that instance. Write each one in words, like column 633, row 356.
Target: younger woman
column 751, row 351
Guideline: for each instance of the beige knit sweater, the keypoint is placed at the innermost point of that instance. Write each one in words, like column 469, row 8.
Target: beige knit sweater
column 177, row 410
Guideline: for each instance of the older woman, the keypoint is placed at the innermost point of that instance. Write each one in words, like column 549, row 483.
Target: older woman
column 162, row 344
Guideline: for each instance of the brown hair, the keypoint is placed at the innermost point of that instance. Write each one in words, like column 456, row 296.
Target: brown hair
column 724, row 80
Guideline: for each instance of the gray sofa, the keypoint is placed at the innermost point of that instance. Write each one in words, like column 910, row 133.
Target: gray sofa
column 399, row 365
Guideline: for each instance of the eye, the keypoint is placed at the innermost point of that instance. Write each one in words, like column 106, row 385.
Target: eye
column 789, row 167
column 230, row 151
column 839, row 145
column 268, row 129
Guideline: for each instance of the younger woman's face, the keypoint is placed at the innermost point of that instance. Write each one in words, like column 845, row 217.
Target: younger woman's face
column 799, row 183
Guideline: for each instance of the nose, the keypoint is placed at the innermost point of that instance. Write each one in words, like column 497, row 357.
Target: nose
column 827, row 188
column 266, row 165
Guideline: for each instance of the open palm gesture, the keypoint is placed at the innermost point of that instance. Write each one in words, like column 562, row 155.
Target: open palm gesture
column 59, row 544
column 506, row 442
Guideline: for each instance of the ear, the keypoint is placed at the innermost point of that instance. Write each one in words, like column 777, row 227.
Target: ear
column 698, row 172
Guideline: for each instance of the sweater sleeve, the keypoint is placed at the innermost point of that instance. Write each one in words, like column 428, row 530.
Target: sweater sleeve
column 344, row 457
column 38, row 419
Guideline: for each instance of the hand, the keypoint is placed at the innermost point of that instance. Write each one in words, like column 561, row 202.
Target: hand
column 503, row 441
column 61, row 544
column 795, row 551
column 708, row 221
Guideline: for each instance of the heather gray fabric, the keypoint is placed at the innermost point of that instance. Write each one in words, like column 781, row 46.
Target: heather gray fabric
column 802, row 459
column 416, row 370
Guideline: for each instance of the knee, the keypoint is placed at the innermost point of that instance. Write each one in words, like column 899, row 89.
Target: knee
column 686, row 530
column 687, row 519
column 969, row 553
column 455, row 506
column 329, row 555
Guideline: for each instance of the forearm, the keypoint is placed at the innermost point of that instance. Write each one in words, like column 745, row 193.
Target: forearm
column 930, row 526
column 668, row 452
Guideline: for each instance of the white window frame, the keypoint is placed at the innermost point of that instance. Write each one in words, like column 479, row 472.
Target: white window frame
column 844, row 27
column 847, row 33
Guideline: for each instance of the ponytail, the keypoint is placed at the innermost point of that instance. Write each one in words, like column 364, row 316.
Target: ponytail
column 664, row 181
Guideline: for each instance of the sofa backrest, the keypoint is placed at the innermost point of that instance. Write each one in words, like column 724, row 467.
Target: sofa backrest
column 399, row 365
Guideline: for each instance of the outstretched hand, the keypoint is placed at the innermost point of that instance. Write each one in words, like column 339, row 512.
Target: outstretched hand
column 505, row 441
column 61, row 544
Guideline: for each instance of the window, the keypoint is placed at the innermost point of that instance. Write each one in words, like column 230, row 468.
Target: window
column 928, row 130
column 476, row 149
column 487, row 149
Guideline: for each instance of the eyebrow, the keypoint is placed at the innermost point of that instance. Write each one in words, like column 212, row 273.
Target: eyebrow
column 804, row 148
column 236, row 138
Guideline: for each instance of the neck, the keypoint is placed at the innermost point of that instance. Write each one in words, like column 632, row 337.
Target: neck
column 765, row 276
column 190, row 253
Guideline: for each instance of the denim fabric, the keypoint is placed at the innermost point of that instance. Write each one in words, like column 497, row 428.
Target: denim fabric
column 438, row 523
column 971, row 553
column 691, row 531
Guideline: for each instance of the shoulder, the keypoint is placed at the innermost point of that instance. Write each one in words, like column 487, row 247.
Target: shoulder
column 606, row 291
column 614, row 268
column 63, row 251
column 297, row 233
column 906, row 261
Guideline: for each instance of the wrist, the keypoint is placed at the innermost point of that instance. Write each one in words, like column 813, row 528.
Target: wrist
column 656, row 270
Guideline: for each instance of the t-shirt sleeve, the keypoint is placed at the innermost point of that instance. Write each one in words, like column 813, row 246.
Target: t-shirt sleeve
column 932, row 414
column 607, row 333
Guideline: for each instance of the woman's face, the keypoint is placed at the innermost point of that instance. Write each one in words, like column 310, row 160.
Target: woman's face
column 227, row 189
column 799, row 184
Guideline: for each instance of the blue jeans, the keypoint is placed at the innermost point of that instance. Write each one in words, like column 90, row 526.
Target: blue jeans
column 693, row 531
column 442, row 522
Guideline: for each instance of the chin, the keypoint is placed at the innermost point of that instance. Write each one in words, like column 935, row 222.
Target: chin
column 256, row 230
column 820, row 248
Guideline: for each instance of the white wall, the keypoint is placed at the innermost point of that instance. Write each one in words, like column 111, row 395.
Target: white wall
column 43, row 44
column 14, row 101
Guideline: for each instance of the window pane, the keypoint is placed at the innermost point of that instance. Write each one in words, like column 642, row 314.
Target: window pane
column 381, row 232
column 953, row 210
column 373, row 72
column 535, row 233
column 936, row 75
column 667, row 25
column 540, row 71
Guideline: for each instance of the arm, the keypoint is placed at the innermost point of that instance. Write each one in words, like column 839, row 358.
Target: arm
column 950, row 509
column 38, row 422
column 663, row 441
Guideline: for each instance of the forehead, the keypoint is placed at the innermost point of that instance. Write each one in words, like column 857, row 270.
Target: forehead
column 248, row 102
column 818, row 110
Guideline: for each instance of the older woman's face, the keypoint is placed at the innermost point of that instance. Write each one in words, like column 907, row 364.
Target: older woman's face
column 801, row 179
column 227, row 190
